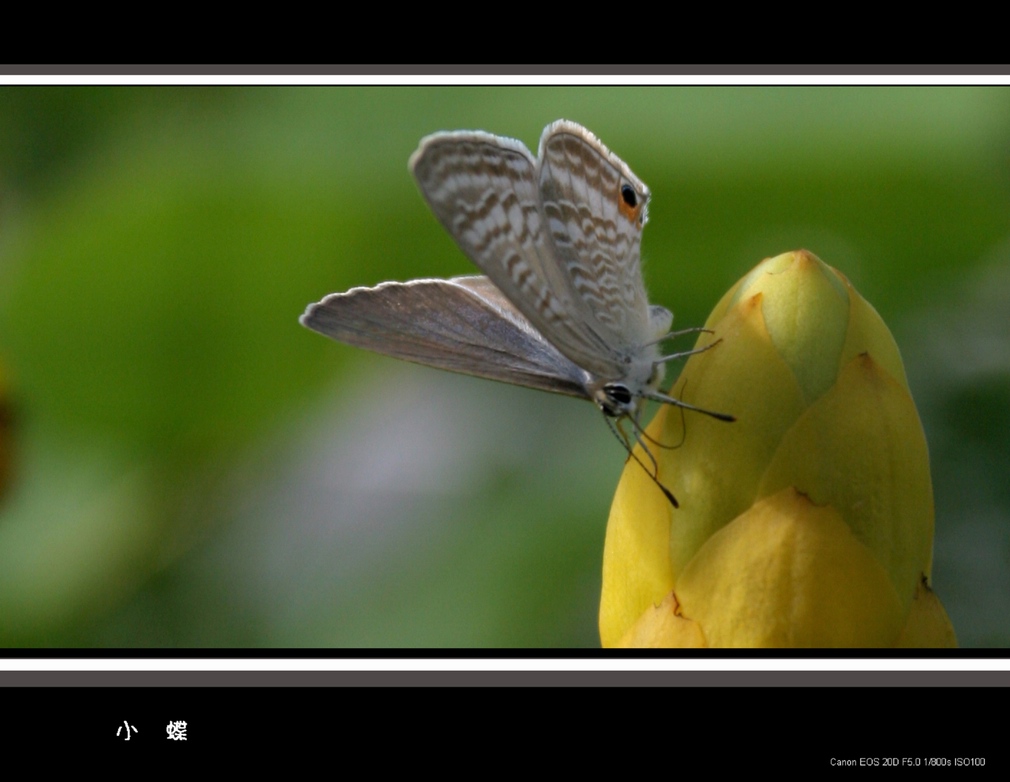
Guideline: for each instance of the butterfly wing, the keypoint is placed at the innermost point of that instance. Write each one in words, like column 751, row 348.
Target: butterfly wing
column 489, row 193
column 595, row 209
column 463, row 324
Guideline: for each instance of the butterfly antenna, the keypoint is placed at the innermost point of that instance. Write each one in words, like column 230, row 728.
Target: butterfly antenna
column 656, row 396
column 623, row 440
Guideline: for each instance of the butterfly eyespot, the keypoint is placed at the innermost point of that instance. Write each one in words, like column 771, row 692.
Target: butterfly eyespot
column 631, row 205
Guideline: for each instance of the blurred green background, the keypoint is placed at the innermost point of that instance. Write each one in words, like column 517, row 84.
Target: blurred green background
column 190, row 468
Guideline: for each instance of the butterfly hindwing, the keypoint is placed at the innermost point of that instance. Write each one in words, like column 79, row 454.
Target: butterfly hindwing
column 463, row 324
column 596, row 209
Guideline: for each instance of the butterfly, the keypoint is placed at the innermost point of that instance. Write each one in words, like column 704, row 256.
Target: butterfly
column 561, row 305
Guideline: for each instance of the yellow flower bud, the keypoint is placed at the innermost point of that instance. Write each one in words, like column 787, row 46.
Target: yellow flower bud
column 809, row 520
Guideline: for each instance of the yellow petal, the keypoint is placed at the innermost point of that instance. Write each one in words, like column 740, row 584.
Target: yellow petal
column 869, row 334
column 788, row 573
column 928, row 626
column 806, row 309
column 861, row 450
column 662, row 627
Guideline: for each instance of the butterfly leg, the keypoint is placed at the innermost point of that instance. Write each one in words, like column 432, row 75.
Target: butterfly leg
column 681, row 333
column 622, row 436
column 682, row 354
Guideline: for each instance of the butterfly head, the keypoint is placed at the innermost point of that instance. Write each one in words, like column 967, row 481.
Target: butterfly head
column 623, row 398
column 616, row 400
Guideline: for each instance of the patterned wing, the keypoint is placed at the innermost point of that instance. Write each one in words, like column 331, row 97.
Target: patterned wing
column 595, row 209
column 463, row 324
column 484, row 189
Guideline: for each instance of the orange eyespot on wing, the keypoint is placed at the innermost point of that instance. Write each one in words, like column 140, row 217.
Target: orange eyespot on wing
column 630, row 204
